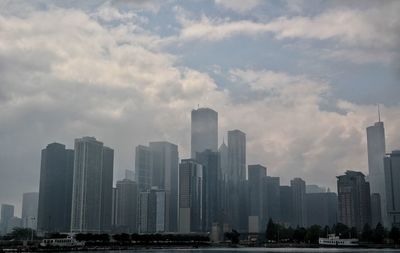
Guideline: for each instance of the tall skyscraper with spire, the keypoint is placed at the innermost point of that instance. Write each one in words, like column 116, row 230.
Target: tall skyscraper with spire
column 376, row 153
column 204, row 131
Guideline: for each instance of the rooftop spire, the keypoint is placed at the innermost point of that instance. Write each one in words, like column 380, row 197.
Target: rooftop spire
column 379, row 114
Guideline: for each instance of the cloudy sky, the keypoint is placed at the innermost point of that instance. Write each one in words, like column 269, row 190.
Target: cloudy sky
column 301, row 78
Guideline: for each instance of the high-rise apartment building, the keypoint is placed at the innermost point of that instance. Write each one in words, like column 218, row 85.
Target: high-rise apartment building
column 354, row 203
column 7, row 213
column 92, row 186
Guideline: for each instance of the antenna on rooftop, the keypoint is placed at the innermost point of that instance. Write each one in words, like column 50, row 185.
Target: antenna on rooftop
column 379, row 114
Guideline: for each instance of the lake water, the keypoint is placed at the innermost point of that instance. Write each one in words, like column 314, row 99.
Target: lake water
column 255, row 250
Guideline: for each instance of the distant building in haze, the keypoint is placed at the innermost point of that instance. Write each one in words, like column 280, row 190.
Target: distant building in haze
column 286, row 204
column 143, row 167
column 313, row 188
column 272, row 199
column 204, row 131
column 190, row 196
column 127, row 206
column 30, row 202
column 321, row 209
column 55, row 190
column 392, row 178
column 257, row 174
column 165, row 177
column 7, row 213
column 376, row 153
column 209, row 160
column 152, row 214
column 299, row 210
column 354, row 205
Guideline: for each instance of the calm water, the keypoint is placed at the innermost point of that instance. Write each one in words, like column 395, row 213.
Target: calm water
column 255, row 250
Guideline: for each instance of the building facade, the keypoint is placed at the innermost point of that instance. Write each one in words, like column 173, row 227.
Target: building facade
column 354, row 206
column 190, row 196
column 204, row 130
column 30, row 202
column 127, row 206
column 55, row 189
column 376, row 152
column 299, row 211
column 92, row 187
column 392, row 178
column 257, row 174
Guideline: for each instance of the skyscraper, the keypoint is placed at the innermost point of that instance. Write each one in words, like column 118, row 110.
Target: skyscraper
column 190, row 196
column 286, row 204
column 55, row 190
column 321, row 208
column 165, row 177
column 392, row 177
column 152, row 211
column 127, row 206
column 106, row 189
column 92, row 191
column 209, row 160
column 257, row 174
column 272, row 198
column 143, row 167
column 204, row 130
column 299, row 210
column 376, row 153
column 30, row 202
column 354, row 206
column 376, row 214
column 7, row 213
column 237, row 156
column 223, row 159
column 237, row 185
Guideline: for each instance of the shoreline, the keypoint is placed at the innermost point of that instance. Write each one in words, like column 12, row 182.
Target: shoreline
column 180, row 247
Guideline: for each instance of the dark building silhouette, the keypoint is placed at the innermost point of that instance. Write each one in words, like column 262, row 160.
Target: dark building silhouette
column 286, row 204
column 299, row 210
column 376, row 213
column 376, row 152
column 209, row 160
column 190, row 196
column 354, row 205
column 272, row 198
column 237, row 186
column 127, row 206
column 321, row 209
column 7, row 213
column 106, row 189
column 257, row 174
column 55, row 190
column 392, row 178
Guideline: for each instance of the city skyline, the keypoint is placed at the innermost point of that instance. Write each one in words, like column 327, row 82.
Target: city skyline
column 139, row 69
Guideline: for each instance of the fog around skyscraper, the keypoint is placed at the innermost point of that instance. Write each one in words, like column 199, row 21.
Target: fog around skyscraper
column 130, row 73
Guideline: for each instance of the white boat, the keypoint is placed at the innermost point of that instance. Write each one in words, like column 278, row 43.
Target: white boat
column 335, row 241
column 61, row 242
